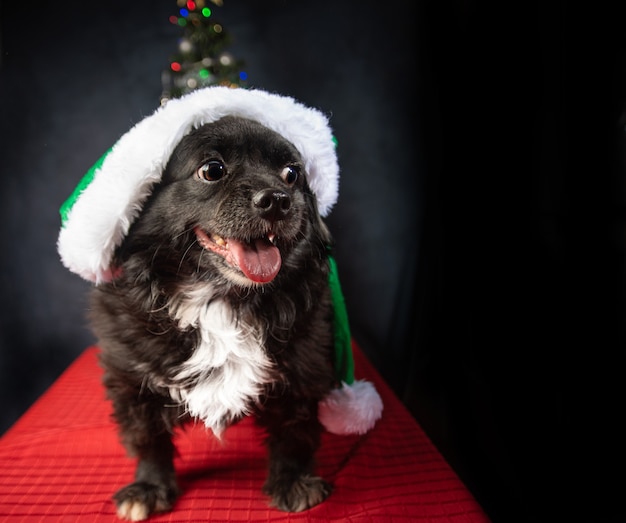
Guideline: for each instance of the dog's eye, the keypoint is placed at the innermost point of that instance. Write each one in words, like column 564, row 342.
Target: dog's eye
column 211, row 171
column 290, row 174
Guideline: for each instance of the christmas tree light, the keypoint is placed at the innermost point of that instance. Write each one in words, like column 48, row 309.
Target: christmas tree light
column 201, row 59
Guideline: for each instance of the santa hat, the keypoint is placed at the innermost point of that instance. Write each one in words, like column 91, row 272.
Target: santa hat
column 97, row 216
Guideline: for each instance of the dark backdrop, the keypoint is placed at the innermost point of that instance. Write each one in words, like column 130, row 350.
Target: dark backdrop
column 480, row 223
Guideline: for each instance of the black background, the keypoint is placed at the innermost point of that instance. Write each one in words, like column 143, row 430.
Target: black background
column 480, row 224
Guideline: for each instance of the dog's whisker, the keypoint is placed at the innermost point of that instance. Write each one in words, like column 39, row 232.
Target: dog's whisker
column 144, row 384
column 199, row 260
column 165, row 331
column 182, row 258
column 154, row 254
column 185, row 231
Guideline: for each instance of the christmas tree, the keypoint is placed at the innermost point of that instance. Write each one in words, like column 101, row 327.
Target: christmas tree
column 202, row 59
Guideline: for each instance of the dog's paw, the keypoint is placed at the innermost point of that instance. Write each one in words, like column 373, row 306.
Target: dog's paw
column 304, row 493
column 138, row 501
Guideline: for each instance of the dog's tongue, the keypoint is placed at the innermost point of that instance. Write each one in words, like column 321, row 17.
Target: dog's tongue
column 260, row 261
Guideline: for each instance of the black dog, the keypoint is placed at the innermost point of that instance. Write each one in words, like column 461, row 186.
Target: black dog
column 221, row 309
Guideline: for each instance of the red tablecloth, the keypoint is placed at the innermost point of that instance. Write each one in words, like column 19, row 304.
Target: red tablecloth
column 62, row 461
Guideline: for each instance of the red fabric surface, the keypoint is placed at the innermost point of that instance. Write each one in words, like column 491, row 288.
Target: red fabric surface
column 62, row 461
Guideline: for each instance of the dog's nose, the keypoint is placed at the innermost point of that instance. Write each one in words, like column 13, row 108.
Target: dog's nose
column 272, row 204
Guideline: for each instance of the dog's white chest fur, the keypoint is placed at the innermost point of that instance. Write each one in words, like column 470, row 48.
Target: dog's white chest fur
column 228, row 368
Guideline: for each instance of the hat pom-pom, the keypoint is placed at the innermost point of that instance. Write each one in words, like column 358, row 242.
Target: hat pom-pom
column 351, row 409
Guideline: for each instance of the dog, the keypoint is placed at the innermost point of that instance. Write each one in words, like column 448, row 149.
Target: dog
column 220, row 308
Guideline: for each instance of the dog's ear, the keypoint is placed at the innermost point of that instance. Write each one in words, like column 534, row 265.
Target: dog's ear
column 320, row 228
column 324, row 232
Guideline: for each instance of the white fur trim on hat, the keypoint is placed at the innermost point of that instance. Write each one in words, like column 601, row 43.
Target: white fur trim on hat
column 100, row 218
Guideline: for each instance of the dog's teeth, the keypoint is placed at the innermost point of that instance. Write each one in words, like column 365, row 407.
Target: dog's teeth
column 219, row 240
column 272, row 238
